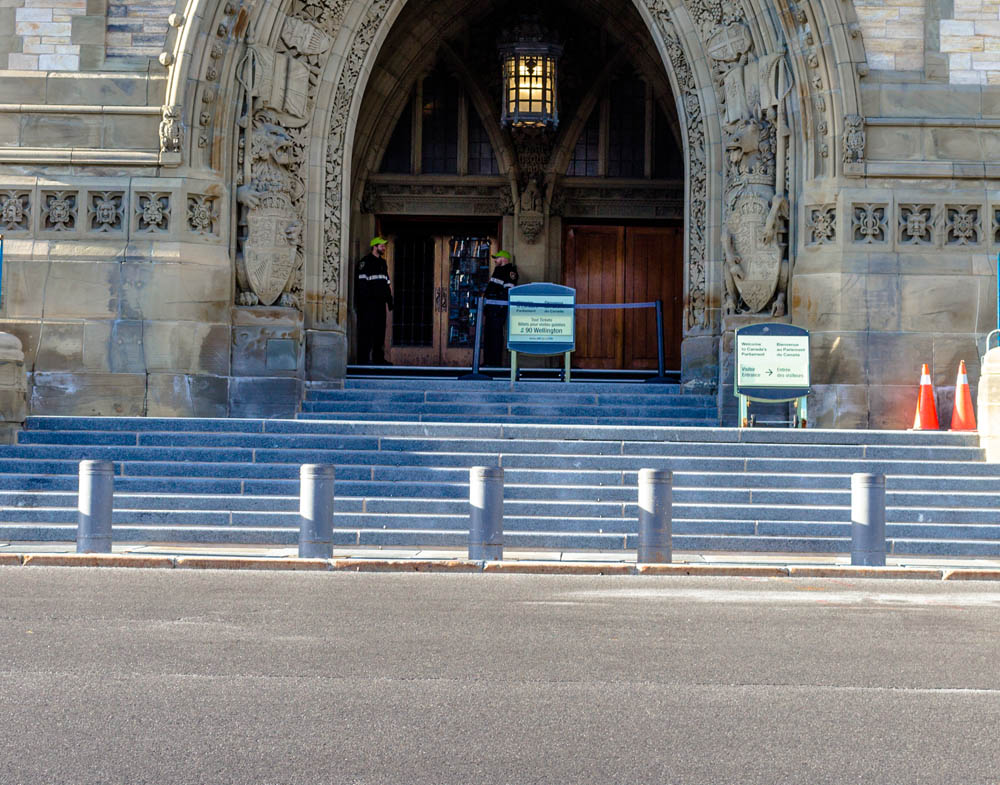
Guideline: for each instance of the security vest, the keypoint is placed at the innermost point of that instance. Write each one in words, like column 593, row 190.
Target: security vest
column 504, row 279
column 373, row 282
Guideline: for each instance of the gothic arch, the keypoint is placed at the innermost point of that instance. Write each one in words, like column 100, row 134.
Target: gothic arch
column 820, row 37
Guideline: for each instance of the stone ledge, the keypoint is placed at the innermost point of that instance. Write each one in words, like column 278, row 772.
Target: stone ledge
column 719, row 570
column 96, row 560
column 559, row 568
column 10, row 559
column 972, row 575
column 248, row 563
column 404, row 565
column 846, row 571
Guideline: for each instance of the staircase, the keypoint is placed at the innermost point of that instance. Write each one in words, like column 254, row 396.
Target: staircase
column 402, row 474
column 449, row 400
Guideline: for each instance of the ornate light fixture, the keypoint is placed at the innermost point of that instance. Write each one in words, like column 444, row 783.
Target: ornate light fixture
column 530, row 59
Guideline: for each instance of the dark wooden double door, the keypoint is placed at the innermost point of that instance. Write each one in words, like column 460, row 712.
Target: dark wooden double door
column 625, row 264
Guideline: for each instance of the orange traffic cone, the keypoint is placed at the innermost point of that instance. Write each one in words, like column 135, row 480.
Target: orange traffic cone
column 926, row 418
column 962, row 416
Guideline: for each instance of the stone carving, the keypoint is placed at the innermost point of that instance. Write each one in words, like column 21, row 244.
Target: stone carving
column 530, row 217
column 333, row 261
column 270, row 226
column 854, row 139
column 58, row 211
column 278, row 91
column 869, row 223
column 821, row 223
column 107, row 211
column 203, row 214
column 15, row 210
column 171, row 130
column 697, row 183
column 916, row 224
column 753, row 93
column 962, row 224
column 152, row 212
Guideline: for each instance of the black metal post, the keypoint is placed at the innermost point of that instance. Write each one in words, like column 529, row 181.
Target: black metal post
column 661, row 374
column 476, row 375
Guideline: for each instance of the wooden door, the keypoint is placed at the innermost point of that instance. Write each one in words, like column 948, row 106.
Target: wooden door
column 617, row 264
column 594, row 265
column 653, row 267
column 414, row 324
column 436, row 282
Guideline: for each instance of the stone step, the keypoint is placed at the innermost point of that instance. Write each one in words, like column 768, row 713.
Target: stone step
column 488, row 412
column 458, row 538
column 502, row 385
column 380, row 397
column 43, row 444
column 510, row 431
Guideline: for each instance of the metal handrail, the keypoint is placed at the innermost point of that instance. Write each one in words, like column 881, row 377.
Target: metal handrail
column 661, row 376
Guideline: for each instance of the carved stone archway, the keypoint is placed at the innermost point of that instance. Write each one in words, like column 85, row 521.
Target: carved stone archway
column 818, row 39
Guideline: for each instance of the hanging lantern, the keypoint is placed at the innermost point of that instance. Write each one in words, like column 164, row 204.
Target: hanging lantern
column 530, row 68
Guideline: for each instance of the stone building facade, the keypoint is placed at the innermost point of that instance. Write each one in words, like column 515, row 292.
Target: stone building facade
column 185, row 187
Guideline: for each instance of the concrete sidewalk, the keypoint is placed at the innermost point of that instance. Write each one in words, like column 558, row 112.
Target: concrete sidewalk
column 171, row 555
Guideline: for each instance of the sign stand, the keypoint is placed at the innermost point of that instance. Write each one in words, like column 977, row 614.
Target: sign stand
column 772, row 366
column 541, row 321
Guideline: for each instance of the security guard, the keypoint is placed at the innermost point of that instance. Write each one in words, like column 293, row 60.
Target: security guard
column 372, row 295
column 504, row 279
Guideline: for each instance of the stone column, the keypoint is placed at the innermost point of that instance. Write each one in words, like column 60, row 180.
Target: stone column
column 13, row 388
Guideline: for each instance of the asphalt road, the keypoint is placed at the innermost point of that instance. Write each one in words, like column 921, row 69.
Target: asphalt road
column 147, row 676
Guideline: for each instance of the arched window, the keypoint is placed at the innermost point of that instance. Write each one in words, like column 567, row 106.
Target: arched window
column 442, row 125
column 627, row 136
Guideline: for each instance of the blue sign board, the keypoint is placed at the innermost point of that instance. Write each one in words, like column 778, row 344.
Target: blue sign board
column 541, row 319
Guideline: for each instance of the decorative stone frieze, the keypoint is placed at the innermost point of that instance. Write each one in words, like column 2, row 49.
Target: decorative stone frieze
column 870, row 224
column 916, row 224
column 821, row 224
column 152, row 213
column 106, row 212
column 59, row 211
column 203, row 214
column 15, row 210
column 962, row 224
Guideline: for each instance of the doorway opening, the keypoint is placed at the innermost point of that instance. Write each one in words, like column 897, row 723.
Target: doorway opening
column 438, row 273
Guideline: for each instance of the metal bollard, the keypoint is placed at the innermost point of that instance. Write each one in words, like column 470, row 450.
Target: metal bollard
column 316, row 511
column 655, row 516
column 485, row 513
column 94, row 504
column 868, row 520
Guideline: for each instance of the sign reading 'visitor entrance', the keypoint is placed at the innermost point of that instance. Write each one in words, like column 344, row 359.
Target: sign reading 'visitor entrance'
column 772, row 356
column 542, row 319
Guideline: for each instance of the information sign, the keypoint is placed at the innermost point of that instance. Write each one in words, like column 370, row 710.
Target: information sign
column 772, row 361
column 542, row 319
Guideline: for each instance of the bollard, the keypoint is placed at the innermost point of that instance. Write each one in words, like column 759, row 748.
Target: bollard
column 868, row 520
column 316, row 511
column 485, row 513
column 655, row 516
column 94, row 504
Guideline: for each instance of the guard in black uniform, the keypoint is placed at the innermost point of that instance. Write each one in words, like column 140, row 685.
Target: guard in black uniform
column 372, row 295
column 504, row 279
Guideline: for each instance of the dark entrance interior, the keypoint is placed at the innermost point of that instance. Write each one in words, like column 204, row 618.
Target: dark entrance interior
column 438, row 273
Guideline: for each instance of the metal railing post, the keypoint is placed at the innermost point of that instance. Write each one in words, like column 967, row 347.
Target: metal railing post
column 476, row 375
column 94, row 504
column 868, row 520
column 661, row 361
column 316, row 481
column 485, row 513
column 655, row 516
